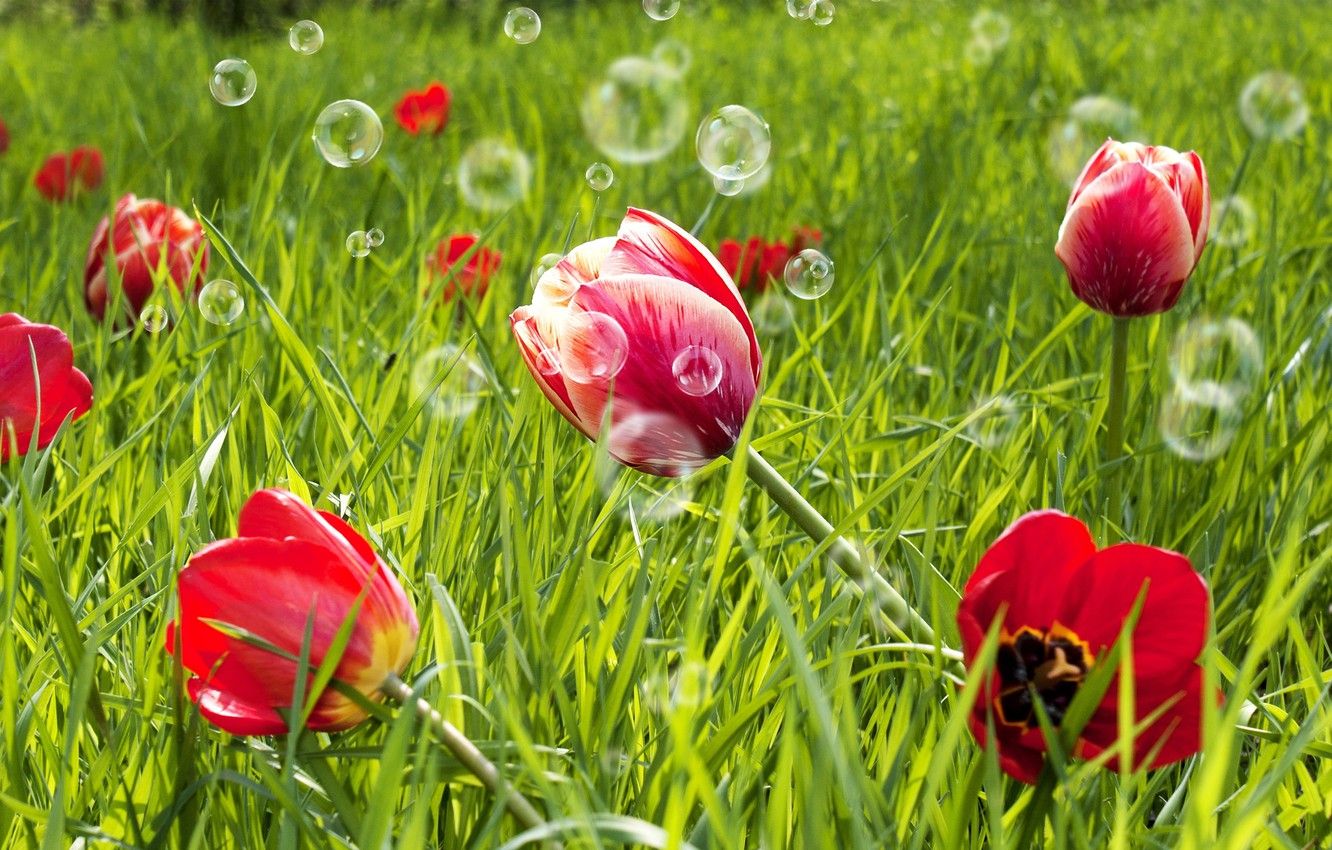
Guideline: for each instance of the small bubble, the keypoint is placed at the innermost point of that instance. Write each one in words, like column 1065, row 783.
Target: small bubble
column 995, row 422
column 822, row 12
column 727, row 188
column 221, row 302
column 801, row 10
column 306, row 37
column 599, row 176
column 1199, row 430
column 374, row 237
column 978, row 53
column 733, row 143
column 991, row 27
column 638, row 111
column 772, row 314
column 460, row 390
column 809, row 274
column 672, row 54
column 1272, row 106
column 661, row 10
column 358, row 244
column 493, row 175
column 697, row 370
column 233, row 82
column 347, row 133
column 548, row 362
column 1215, row 360
column 1043, row 100
column 1233, row 222
column 154, row 318
column 593, row 348
column 522, row 25
column 545, row 264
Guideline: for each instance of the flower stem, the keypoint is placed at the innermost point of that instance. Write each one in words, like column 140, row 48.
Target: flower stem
column 1114, row 416
column 465, row 752
column 901, row 614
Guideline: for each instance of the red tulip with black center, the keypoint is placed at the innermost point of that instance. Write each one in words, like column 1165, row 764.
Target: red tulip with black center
column 1062, row 604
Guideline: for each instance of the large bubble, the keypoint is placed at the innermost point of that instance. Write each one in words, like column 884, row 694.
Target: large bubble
column 1272, row 106
column 733, row 143
column 1090, row 121
column 232, row 82
column 638, row 111
column 347, row 133
column 493, row 175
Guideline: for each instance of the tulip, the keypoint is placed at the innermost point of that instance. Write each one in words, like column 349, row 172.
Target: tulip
column 246, row 602
column 4, row 137
column 64, row 175
column 469, row 278
column 141, row 235
column 1061, row 605
column 757, row 263
column 1135, row 227
column 638, row 316
column 37, row 401
column 424, row 111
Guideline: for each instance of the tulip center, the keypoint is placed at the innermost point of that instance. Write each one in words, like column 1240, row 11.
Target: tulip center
column 1045, row 666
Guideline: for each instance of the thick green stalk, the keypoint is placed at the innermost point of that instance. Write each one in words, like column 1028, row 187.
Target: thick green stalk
column 1114, row 420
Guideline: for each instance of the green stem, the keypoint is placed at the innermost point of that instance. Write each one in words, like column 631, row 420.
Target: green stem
column 1114, row 417
column 891, row 603
column 465, row 752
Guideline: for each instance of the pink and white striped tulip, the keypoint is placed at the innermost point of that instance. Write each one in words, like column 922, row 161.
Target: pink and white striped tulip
column 1135, row 227
column 667, row 293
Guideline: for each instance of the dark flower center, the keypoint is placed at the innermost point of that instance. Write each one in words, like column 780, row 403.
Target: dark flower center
column 1039, row 665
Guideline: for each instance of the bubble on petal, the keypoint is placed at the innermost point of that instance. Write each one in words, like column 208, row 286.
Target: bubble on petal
column 1216, row 360
column 673, row 54
column 545, row 264
column 232, row 82
column 664, row 439
column 221, row 302
column 599, row 176
column 1272, row 106
column 697, row 370
column 453, row 381
column 593, row 347
column 661, row 10
column 154, row 318
column 733, row 142
column 374, row 237
column 347, row 133
column 994, row 423
column 1090, row 121
column 637, row 112
column 1197, row 429
column 493, row 175
column 522, row 25
column 809, row 274
column 358, row 244
column 306, row 37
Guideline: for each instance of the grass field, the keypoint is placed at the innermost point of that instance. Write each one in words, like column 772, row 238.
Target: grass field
column 707, row 678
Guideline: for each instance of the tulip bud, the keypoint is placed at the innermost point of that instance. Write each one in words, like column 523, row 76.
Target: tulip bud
column 140, row 236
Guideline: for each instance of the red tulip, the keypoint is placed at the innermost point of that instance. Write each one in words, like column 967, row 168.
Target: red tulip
column 59, row 391
column 758, row 263
column 474, row 276
column 4, row 137
column 424, row 111
column 65, row 175
column 1062, row 604
column 143, row 231
column 244, row 607
column 634, row 316
column 1135, row 227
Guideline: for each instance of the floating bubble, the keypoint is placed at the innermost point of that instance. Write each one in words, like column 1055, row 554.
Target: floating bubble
column 454, row 394
column 1212, row 362
column 697, row 370
column 306, row 37
column 522, row 25
column 661, row 10
column 995, row 422
column 672, row 54
column 358, row 244
column 374, row 237
column 1199, row 430
column 232, row 82
column 1042, row 100
column 493, row 175
column 638, row 112
column 978, row 52
column 1272, row 106
column 771, row 314
column 727, row 188
column 593, row 348
column 809, row 274
column 751, row 185
column 650, row 498
column 545, row 264
column 154, row 318
column 599, row 176
column 1090, row 121
column 801, row 10
column 822, row 12
column 733, row 143
column 991, row 27
column 892, row 113
column 221, row 302
column 1233, row 222
column 347, row 133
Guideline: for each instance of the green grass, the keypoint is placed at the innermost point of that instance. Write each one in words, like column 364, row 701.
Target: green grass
column 555, row 631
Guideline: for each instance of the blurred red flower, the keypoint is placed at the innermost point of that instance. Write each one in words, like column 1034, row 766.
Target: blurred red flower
column 424, row 111
column 244, row 607
column 4, row 137
column 1062, row 604
column 65, row 175
column 37, row 402
column 757, row 263
column 136, row 238
column 473, row 277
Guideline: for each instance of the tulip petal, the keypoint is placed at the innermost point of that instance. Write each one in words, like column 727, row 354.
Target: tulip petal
column 534, row 328
column 580, row 266
column 1126, row 242
column 235, row 715
column 1016, row 759
column 279, row 515
column 650, row 245
column 661, row 317
column 64, row 389
column 1106, row 157
column 1175, row 735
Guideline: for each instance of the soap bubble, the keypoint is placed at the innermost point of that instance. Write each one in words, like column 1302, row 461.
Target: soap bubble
column 650, row 498
column 728, row 188
column 1272, row 106
column 545, row 264
column 347, row 133
column 221, row 302
column 599, row 176
column 306, row 37
column 358, row 244
column 771, row 314
column 638, row 112
column 733, row 143
column 995, row 422
column 1233, row 222
column 661, row 10
column 822, row 12
column 493, row 175
column 593, row 348
column 1213, row 360
column 154, row 318
column 809, row 274
column 697, row 370
column 233, row 82
column 1199, row 430
column 1090, row 121
column 991, row 27
column 522, row 25
column 460, row 390
column 978, row 53
column 374, row 237
column 672, row 54
column 801, row 10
